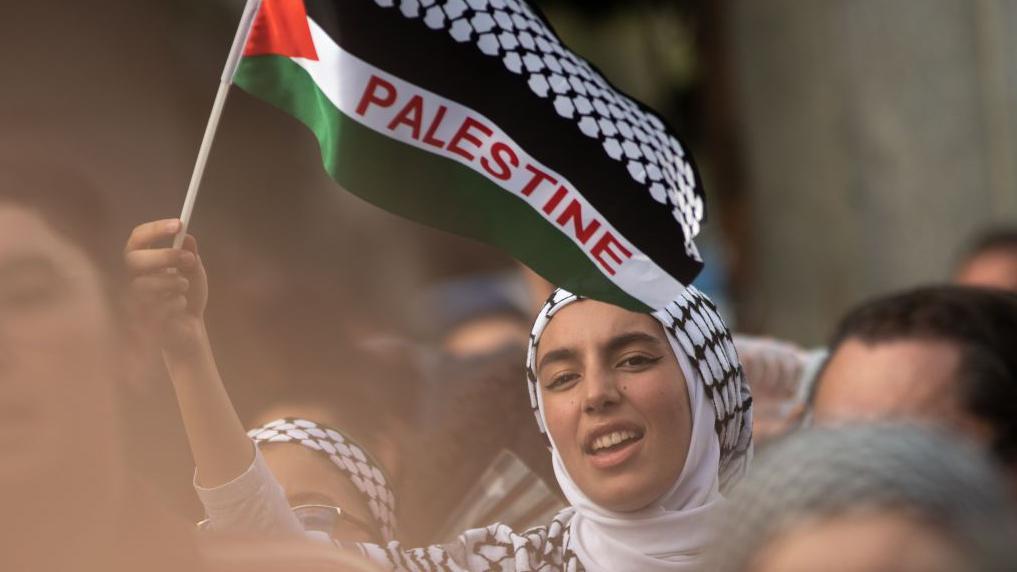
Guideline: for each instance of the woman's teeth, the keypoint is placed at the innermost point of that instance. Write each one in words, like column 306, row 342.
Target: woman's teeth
column 612, row 439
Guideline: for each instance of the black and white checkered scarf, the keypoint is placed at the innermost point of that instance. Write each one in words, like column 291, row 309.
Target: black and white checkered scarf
column 349, row 457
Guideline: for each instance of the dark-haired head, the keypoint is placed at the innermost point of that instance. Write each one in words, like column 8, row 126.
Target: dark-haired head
column 942, row 354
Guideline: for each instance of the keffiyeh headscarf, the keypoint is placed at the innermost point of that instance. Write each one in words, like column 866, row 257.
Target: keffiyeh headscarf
column 671, row 533
column 353, row 460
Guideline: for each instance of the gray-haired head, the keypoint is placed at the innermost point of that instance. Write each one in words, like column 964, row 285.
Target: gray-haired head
column 823, row 474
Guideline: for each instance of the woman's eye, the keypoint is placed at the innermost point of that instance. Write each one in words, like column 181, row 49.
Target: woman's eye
column 561, row 380
column 638, row 361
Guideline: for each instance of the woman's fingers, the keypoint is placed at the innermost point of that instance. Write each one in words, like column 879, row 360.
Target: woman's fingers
column 145, row 235
column 191, row 244
column 158, row 309
column 160, row 285
column 150, row 261
column 176, row 304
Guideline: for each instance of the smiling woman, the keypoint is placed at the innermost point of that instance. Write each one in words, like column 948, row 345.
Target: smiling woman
column 615, row 403
column 648, row 417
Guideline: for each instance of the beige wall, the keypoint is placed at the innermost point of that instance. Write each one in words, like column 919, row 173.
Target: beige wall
column 878, row 136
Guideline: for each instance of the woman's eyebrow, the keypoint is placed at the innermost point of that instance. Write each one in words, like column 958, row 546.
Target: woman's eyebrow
column 623, row 340
column 552, row 356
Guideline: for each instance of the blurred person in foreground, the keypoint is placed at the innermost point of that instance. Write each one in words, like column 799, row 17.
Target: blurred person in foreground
column 990, row 260
column 868, row 498
column 71, row 501
column 940, row 354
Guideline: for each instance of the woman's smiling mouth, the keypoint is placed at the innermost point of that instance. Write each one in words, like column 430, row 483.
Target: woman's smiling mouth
column 612, row 440
column 613, row 445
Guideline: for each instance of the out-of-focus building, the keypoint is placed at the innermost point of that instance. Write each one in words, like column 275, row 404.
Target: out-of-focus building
column 878, row 136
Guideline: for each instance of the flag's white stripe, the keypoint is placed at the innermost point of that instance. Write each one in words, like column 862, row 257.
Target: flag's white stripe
column 343, row 79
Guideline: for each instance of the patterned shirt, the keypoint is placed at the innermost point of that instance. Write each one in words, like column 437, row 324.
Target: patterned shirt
column 495, row 547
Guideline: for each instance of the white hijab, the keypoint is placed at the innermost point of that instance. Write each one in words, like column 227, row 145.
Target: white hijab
column 672, row 533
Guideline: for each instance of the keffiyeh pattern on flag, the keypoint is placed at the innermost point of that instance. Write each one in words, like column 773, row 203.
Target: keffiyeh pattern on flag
column 629, row 133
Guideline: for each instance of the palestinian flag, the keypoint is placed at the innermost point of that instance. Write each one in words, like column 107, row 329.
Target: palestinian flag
column 473, row 117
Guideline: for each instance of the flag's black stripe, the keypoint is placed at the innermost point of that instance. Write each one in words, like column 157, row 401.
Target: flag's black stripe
column 433, row 60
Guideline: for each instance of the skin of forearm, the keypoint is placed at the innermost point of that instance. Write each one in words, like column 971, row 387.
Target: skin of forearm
column 222, row 451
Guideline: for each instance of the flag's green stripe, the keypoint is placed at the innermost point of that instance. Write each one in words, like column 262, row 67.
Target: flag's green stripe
column 426, row 187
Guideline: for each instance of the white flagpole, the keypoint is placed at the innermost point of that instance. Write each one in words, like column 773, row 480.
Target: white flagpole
column 236, row 51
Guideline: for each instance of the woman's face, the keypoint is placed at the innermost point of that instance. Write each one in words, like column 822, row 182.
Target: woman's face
column 615, row 403
column 58, row 351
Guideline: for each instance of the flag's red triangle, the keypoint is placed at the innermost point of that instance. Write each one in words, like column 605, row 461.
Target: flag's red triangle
column 280, row 28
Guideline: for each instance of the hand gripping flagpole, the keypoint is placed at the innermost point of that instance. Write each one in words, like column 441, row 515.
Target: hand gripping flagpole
column 236, row 51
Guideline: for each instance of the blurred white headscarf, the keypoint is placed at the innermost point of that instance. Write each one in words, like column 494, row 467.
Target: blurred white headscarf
column 672, row 533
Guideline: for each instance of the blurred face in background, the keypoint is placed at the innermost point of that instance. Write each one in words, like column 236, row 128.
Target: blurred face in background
column 996, row 268
column 906, row 379
column 58, row 354
column 880, row 541
column 486, row 334
column 615, row 402
column 875, row 381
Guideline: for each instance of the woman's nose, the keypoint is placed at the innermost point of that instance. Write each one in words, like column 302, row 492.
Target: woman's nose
column 601, row 392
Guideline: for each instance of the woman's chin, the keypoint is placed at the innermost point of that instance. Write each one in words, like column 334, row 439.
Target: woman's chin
column 620, row 483
column 625, row 496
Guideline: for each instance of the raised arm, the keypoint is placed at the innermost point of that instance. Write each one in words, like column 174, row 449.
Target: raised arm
column 169, row 293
